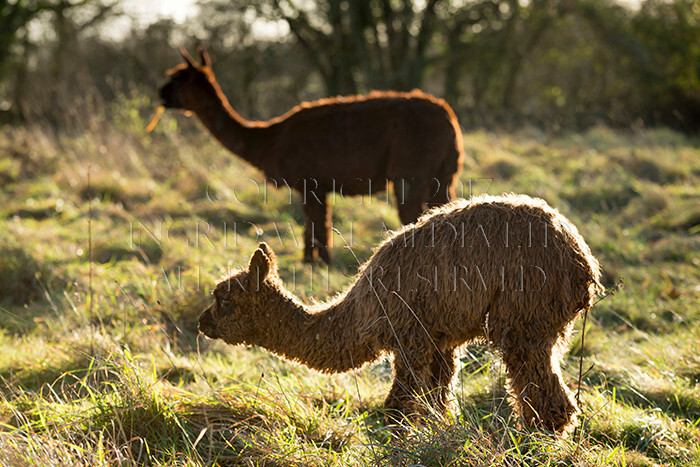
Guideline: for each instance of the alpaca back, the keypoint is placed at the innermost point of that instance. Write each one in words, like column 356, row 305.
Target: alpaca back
column 510, row 260
column 380, row 136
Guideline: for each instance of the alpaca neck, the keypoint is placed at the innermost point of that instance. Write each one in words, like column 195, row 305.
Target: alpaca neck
column 324, row 339
column 234, row 132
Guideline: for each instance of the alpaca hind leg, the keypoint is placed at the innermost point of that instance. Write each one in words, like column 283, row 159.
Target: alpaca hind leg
column 536, row 385
column 317, row 228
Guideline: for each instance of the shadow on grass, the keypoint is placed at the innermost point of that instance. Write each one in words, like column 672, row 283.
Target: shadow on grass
column 218, row 214
column 73, row 377
column 236, row 432
column 680, row 404
column 22, row 275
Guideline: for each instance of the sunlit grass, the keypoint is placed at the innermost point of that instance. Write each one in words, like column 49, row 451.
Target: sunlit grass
column 125, row 379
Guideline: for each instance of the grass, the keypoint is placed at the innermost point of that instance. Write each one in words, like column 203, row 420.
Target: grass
column 126, row 380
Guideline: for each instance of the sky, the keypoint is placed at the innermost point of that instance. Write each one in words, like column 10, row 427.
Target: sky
column 149, row 11
column 146, row 12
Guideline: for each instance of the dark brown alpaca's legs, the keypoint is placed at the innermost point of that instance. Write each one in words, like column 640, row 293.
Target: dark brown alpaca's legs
column 536, row 385
column 442, row 191
column 317, row 228
column 411, row 195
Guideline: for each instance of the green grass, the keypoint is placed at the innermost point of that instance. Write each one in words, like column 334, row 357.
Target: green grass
column 107, row 368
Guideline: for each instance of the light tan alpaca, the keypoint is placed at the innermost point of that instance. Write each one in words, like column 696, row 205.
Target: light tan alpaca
column 510, row 271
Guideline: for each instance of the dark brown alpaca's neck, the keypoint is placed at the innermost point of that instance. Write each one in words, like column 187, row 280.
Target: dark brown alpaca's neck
column 234, row 132
column 325, row 339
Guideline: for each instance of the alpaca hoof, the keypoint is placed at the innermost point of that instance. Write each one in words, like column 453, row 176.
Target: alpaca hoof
column 394, row 417
column 559, row 420
column 325, row 257
column 309, row 259
column 312, row 257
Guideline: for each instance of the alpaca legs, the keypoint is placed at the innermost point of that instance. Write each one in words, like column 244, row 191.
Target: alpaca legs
column 317, row 228
column 411, row 377
column 418, row 381
column 536, row 385
column 411, row 194
column 442, row 191
column 442, row 369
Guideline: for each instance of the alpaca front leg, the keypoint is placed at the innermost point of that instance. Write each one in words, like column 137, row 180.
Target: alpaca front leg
column 412, row 381
column 538, row 390
column 398, row 403
column 442, row 191
column 443, row 369
column 411, row 195
column 317, row 228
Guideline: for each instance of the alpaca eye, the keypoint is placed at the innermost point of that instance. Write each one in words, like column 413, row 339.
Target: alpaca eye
column 225, row 303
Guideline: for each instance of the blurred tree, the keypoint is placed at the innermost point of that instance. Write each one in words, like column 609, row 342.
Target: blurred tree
column 356, row 46
column 552, row 63
column 262, row 72
column 145, row 55
column 488, row 42
column 70, row 19
column 670, row 34
column 659, row 48
column 236, row 52
column 64, row 21
column 14, row 16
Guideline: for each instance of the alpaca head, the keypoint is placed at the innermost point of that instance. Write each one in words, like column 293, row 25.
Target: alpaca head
column 187, row 81
column 240, row 302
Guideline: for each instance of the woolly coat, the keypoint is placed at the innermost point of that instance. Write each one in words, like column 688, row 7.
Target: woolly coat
column 508, row 270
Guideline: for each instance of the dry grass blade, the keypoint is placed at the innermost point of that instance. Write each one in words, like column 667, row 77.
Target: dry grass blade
column 156, row 118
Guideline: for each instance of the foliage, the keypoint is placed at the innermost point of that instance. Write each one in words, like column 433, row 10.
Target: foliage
column 550, row 63
column 14, row 17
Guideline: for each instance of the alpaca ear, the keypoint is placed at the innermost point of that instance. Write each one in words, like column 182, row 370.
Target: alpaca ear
column 204, row 57
column 259, row 267
column 268, row 251
column 187, row 57
column 263, row 263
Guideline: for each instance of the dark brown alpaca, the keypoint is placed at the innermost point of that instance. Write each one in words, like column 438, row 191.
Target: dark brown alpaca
column 351, row 145
column 509, row 271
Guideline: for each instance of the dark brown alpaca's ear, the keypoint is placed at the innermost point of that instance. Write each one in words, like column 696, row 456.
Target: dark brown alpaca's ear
column 187, row 57
column 204, row 57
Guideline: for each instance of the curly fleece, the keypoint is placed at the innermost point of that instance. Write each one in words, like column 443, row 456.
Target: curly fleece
column 509, row 271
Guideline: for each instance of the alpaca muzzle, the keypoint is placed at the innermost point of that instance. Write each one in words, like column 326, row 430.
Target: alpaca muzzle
column 166, row 95
column 207, row 325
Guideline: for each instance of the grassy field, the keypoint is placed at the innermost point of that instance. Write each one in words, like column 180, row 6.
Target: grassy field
column 112, row 240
